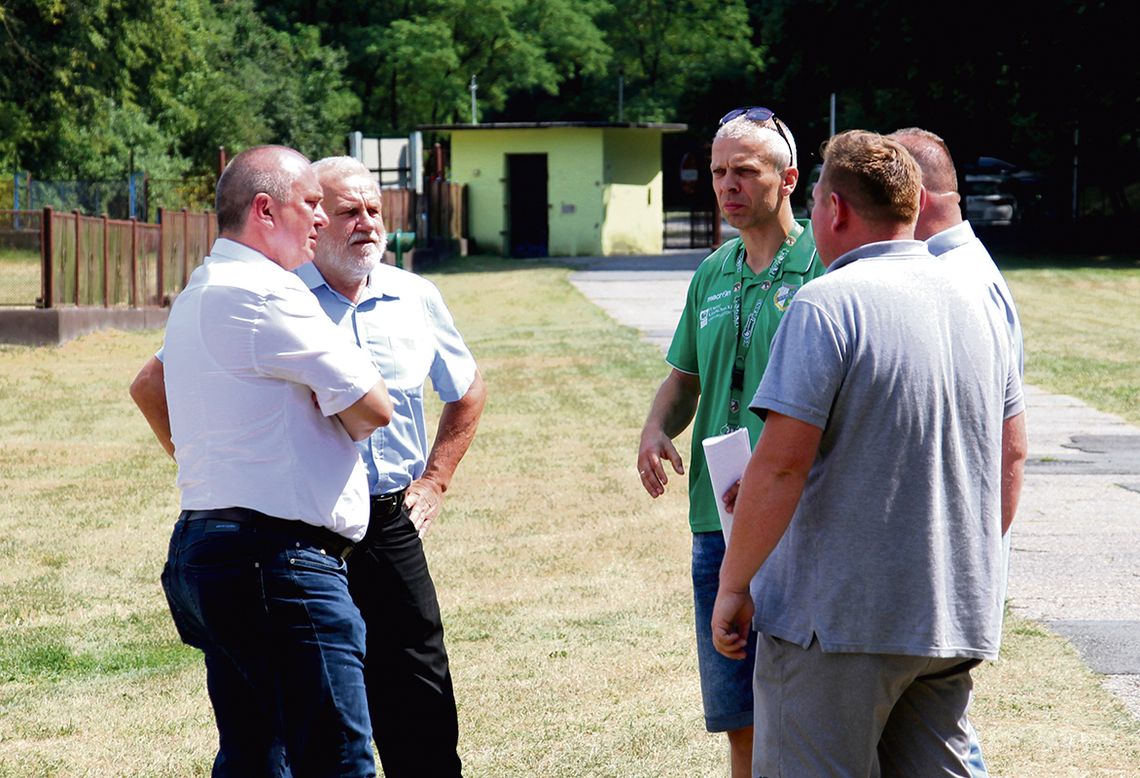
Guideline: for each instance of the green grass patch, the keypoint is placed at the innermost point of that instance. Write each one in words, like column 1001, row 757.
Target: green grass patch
column 1081, row 317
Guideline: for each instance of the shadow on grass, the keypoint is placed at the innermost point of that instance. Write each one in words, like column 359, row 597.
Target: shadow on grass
column 1015, row 259
column 1009, row 255
column 1062, row 246
column 486, row 263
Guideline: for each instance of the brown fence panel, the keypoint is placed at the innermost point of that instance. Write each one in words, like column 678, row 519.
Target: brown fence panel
column 446, row 213
column 96, row 261
column 199, row 229
column 186, row 238
column 148, row 253
column 398, row 209
column 62, row 262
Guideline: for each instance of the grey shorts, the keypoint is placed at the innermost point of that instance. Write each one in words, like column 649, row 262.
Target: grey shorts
column 836, row 714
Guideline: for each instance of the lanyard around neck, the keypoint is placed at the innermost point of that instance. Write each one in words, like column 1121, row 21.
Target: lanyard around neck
column 744, row 335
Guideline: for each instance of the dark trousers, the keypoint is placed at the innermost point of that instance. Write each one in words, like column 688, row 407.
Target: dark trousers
column 410, row 695
column 267, row 601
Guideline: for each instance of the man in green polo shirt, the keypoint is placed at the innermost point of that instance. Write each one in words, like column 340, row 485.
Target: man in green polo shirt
column 718, row 355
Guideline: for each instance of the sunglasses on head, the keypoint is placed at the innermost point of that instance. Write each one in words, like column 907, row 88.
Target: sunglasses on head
column 759, row 114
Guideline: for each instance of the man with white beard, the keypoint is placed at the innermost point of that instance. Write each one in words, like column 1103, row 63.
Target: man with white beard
column 400, row 318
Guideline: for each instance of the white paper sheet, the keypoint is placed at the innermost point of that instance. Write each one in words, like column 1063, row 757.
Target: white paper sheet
column 727, row 456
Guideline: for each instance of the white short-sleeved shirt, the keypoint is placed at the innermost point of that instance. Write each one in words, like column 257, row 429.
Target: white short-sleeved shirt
column 404, row 325
column 959, row 245
column 249, row 356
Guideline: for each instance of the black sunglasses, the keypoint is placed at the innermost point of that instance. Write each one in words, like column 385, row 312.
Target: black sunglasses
column 759, row 114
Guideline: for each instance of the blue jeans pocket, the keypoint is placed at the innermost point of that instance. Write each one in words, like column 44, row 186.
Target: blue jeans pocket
column 314, row 560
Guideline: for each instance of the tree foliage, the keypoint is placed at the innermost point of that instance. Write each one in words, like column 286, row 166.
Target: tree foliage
column 1013, row 81
column 84, row 85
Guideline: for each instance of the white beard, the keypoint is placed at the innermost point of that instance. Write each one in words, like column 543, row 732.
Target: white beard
column 348, row 262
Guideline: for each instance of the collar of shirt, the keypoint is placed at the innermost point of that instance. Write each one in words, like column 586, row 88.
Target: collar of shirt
column 883, row 249
column 796, row 262
column 313, row 279
column 950, row 238
column 224, row 248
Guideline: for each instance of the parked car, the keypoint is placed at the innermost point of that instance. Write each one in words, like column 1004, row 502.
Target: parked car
column 812, row 180
column 987, row 202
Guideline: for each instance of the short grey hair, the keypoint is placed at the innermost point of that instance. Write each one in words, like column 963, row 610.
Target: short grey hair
column 741, row 128
column 341, row 167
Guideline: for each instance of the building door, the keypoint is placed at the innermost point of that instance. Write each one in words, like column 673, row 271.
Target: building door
column 528, row 212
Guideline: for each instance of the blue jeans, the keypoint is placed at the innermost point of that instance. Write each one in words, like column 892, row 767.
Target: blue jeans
column 726, row 684
column 975, row 761
column 284, row 646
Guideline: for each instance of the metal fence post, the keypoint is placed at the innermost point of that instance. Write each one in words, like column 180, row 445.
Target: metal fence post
column 185, row 247
column 78, row 252
column 106, row 264
column 133, row 292
column 47, row 251
column 160, row 276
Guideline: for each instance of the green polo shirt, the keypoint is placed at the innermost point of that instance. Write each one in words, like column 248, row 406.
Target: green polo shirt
column 705, row 344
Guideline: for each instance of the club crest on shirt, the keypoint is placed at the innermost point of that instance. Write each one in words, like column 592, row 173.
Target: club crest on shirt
column 783, row 297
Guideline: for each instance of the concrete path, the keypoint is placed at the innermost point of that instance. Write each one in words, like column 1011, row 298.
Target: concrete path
column 1075, row 564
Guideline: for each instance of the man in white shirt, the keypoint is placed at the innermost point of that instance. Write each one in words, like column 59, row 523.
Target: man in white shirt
column 265, row 399
column 951, row 238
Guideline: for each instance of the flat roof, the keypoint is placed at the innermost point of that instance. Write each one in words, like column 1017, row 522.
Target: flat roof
column 662, row 126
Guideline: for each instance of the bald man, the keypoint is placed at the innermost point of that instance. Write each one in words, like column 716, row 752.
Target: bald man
column 951, row 238
column 263, row 401
column 947, row 234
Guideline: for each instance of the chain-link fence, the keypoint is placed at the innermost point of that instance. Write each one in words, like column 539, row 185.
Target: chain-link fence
column 113, row 198
column 137, row 197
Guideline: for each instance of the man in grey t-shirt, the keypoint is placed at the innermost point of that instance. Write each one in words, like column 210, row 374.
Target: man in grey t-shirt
column 875, row 502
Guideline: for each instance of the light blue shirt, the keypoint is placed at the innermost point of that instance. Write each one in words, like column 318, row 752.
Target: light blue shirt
column 403, row 323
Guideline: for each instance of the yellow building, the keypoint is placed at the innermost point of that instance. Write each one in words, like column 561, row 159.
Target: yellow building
column 561, row 188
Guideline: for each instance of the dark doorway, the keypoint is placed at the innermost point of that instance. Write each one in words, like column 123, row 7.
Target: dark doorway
column 528, row 231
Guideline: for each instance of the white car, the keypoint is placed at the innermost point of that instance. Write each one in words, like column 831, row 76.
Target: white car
column 986, row 204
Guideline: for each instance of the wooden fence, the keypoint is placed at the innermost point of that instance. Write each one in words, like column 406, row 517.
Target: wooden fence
column 447, row 212
column 96, row 261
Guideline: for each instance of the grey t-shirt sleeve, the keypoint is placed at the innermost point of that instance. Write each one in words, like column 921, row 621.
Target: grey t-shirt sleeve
column 806, row 366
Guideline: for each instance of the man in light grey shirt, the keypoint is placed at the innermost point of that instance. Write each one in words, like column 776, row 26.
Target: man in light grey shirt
column 875, row 502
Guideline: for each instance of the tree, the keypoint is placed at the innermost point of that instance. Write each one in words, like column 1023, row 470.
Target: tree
column 1013, row 85
column 411, row 64
column 83, row 86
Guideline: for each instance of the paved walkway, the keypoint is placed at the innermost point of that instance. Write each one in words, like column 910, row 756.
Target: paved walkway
column 1075, row 562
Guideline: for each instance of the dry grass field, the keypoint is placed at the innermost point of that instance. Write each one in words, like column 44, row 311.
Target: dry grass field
column 565, row 589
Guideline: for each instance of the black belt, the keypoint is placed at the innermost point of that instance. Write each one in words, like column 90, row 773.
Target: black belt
column 388, row 504
column 325, row 539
